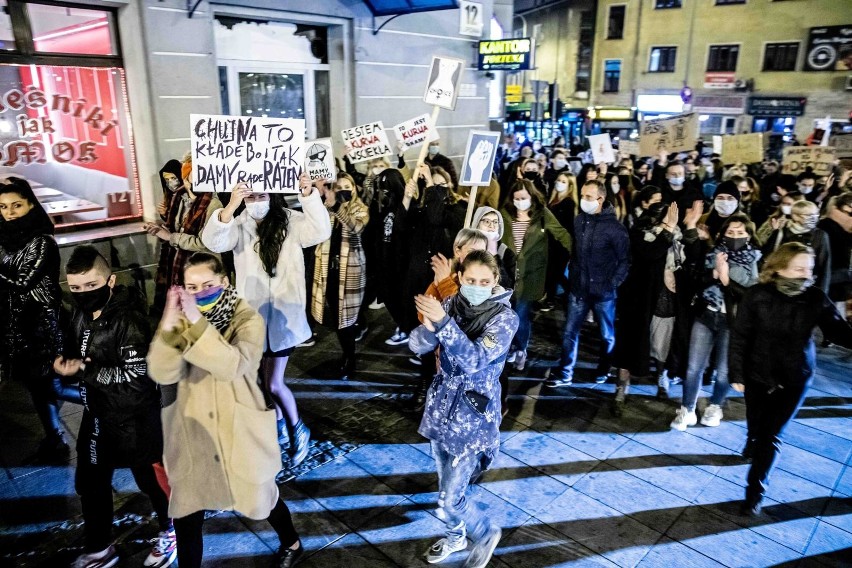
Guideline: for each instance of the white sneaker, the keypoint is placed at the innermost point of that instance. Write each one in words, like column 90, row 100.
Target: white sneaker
column 520, row 360
column 512, row 356
column 376, row 305
column 442, row 549
column 398, row 338
column 712, row 416
column 164, row 552
column 106, row 558
column 683, row 419
column 484, row 549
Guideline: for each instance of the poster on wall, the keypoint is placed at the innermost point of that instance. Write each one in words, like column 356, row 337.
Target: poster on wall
column 366, row 142
column 442, row 89
column 797, row 158
column 319, row 160
column 479, row 158
column 677, row 133
column 601, row 145
column 829, row 49
column 743, row 148
column 416, row 131
column 266, row 153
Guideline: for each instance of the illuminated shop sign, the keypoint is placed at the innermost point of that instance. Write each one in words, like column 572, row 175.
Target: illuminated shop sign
column 506, row 54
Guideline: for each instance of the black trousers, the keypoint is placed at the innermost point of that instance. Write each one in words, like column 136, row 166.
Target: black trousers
column 346, row 336
column 767, row 414
column 94, row 485
column 190, row 542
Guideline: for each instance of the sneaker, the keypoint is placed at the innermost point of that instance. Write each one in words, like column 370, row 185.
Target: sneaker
column 512, row 356
column 446, row 546
column 287, row 557
column 683, row 419
column 520, row 360
column 560, row 379
column 546, row 307
column 164, row 552
column 712, row 416
column 301, row 443
column 484, row 549
column 663, row 386
column 309, row 342
column 674, row 381
column 376, row 305
column 751, row 508
column 362, row 334
column 415, row 360
column 602, row 378
column 398, row 338
column 104, row 559
column 620, row 399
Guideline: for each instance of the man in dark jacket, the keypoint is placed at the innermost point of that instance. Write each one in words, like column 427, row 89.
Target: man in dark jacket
column 838, row 226
column 600, row 264
column 671, row 178
column 121, row 405
column 436, row 159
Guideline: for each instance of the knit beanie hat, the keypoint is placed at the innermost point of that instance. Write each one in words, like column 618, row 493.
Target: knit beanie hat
column 186, row 169
column 729, row 188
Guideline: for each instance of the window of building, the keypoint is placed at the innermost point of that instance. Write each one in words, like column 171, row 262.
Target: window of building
column 724, row 2
column 662, row 4
column 781, row 56
column 59, row 29
column 612, row 75
column 723, row 58
column 615, row 30
column 662, row 59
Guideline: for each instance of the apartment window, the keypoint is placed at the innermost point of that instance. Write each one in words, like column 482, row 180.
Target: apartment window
column 723, row 58
column 663, row 4
column 781, row 56
column 662, row 59
column 615, row 30
column 612, row 75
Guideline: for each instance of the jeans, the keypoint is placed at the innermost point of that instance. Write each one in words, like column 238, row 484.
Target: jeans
column 710, row 331
column 459, row 515
column 522, row 336
column 604, row 314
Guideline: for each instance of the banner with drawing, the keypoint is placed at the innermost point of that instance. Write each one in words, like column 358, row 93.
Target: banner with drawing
column 479, row 158
column 417, row 131
column 266, row 153
column 677, row 133
column 797, row 158
column 319, row 160
column 366, row 142
column 442, row 89
column 601, row 145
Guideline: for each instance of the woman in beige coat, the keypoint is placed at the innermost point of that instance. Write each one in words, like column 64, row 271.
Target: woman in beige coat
column 220, row 445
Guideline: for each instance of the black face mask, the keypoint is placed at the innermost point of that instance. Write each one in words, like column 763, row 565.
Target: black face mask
column 532, row 176
column 92, row 301
column 344, row 195
column 735, row 244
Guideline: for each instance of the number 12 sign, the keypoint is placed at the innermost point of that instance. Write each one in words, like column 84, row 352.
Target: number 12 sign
column 472, row 18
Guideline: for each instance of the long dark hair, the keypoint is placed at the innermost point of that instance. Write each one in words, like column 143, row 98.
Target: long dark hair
column 535, row 195
column 17, row 233
column 271, row 233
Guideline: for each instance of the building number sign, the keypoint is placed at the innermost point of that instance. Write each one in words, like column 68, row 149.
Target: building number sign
column 471, row 18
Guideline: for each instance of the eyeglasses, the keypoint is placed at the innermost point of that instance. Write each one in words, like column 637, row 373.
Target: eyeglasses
column 489, row 222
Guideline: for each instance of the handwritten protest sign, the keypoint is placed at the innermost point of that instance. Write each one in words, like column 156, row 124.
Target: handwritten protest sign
column 674, row 134
column 319, row 160
column 601, row 145
column 366, row 142
column 442, row 89
column 842, row 143
column 797, row 158
column 629, row 147
column 479, row 158
column 417, row 131
column 742, row 148
column 266, row 153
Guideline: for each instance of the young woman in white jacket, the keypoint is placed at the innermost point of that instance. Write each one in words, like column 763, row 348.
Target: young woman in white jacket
column 267, row 240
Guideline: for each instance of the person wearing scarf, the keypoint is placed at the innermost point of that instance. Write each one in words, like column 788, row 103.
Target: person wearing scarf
column 730, row 268
column 772, row 356
column 802, row 228
column 30, row 301
column 474, row 331
column 220, row 442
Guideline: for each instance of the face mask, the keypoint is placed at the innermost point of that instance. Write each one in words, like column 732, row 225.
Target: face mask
column 786, row 209
column 792, row 286
column 92, row 301
column 537, row 146
column 805, row 189
column 560, row 163
column 376, row 170
column 809, row 224
column 735, row 244
column 434, row 150
column 589, row 207
column 561, row 187
column 344, row 195
column 173, row 184
column 676, row 182
column 532, row 176
column 258, row 209
column 725, row 208
column 207, row 299
column 475, row 294
column 615, row 187
column 492, row 235
column 522, row 204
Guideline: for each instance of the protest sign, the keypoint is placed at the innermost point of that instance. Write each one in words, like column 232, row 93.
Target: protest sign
column 742, row 148
column 630, row 147
column 319, row 160
column 717, row 145
column 797, row 158
column 266, row 153
column 417, row 131
column 442, row 89
column 842, row 143
column 601, row 145
column 677, row 133
column 479, row 158
column 366, row 142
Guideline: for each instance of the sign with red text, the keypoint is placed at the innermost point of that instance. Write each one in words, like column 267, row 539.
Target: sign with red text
column 266, row 153
column 417, row 131
column 720, row 80
column 366, row 142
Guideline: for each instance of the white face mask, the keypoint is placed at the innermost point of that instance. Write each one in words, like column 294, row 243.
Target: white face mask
column 492, row 235
column 615, row 187
column 560, row 163
column 786, row 209
column 377, row 170
column 522, row 204
column 805, row 189
column 258, row 209
column 561, row 187
column 434, row 150
column 725, row 207
column 589, row 207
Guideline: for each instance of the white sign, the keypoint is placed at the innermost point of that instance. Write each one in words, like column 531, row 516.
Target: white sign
column 319, row 160
column 366, row 142
column 471, row 19
column 417, row 131
column 479, row 158
column 442, row 89
column 717, row 145
column 266, row 153
column 601, row 145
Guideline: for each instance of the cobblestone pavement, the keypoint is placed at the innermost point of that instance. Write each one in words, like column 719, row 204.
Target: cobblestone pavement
column 573, row 486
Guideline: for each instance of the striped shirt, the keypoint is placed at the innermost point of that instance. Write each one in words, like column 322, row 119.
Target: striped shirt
column 519, row 231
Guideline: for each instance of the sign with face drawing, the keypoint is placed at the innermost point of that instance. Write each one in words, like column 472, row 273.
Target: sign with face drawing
column 442, row 89
column 319, row 160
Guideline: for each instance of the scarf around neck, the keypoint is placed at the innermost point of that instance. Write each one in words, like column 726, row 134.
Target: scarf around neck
column 743, row 261
column 472, row 320
column 16, row 234
column 222, row 312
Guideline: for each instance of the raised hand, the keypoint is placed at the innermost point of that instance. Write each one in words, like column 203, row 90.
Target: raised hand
column 188, row 306
column 441, row 267
column 305, row 184
column 172, row 313
column 693, row 214
column 238, row 194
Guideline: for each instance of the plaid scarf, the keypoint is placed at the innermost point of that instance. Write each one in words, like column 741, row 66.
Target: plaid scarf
column 221, row 313
column 741, row 265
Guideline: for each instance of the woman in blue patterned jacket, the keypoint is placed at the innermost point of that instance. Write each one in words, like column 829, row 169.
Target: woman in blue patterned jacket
column 473, row 330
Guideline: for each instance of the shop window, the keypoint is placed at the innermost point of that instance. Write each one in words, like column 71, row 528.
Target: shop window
column 612, row 75
column 662, row 4
column 59, row 29
column 662, row 59
column 723, row 58
column 615, row 29
column 781, row 56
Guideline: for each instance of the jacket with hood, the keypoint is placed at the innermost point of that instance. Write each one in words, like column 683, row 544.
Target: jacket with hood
column 171, row 167
column 601, row 255
column 506, row 258
column 470, row 370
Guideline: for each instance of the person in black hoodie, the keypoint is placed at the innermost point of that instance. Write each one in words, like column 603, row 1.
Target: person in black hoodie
column 171, row 180
column 671, row 178
column 29, row 307
column 105, row 351
column 772, row 356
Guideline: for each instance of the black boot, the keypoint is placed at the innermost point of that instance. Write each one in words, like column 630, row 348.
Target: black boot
column 748, row 450
column 53, row 449
column 347, row 369
column 751, row 506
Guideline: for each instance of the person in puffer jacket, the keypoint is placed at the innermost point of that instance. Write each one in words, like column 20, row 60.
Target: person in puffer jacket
column 473, row 330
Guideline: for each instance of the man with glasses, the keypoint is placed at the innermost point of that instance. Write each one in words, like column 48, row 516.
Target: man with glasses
column 837, row 224
column 802, row 228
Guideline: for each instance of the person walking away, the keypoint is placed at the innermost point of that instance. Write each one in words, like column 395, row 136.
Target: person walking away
column 473, row 331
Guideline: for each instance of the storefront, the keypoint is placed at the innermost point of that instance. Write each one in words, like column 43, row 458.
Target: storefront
column 619, row 122
column 776, row 115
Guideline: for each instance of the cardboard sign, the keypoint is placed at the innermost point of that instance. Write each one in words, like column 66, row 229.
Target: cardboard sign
column 797, row 158
column 742, row 149
column 266, row 153
column 630, row 147
column 319, row 160
column 417, row 131
column 601, row 145
column 442, row 89
column 366, row 142
column 472, row 18
column 842, row 143
column 479, row 158
column 677, row 133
